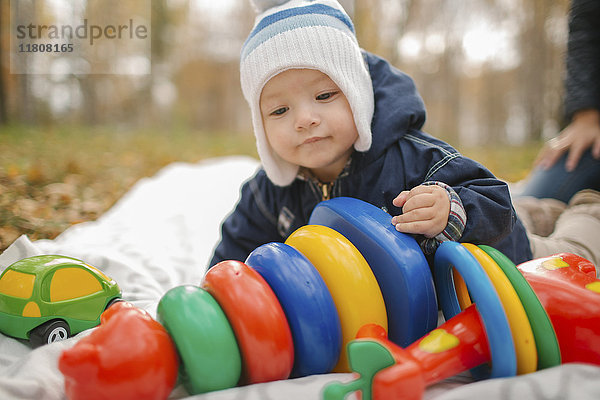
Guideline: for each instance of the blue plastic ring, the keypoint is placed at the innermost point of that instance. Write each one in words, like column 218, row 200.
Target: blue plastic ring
column 397, row 261
column 497, row 329
column 307, row 304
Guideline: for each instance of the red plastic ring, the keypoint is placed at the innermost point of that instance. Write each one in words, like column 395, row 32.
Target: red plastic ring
column 257, row 319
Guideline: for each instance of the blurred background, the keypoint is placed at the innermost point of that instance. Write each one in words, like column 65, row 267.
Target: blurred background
column 490, row 73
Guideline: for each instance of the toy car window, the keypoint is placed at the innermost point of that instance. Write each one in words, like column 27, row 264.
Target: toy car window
column 102, row 275
column 70, row 283
column 17, row 284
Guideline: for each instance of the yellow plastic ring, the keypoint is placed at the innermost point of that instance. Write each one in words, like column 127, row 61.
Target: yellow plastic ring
column 517, row 317
column 348, row 277
column 462, row 294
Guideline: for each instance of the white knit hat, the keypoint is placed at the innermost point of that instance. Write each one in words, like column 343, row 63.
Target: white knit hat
column 304, row 34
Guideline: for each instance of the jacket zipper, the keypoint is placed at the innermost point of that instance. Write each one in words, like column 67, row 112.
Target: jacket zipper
column 325, row 190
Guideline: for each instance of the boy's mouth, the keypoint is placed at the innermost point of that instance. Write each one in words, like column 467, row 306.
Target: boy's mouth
column 312, row 139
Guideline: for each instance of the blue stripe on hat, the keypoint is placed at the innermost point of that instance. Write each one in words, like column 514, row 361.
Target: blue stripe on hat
column 294, row 22
column 315, row 9
column 312, row 9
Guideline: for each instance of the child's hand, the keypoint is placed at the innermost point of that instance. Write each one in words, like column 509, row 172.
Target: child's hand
column 425, row 210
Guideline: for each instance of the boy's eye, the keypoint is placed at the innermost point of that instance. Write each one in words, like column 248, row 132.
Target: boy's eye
column 279, row 111
column 326, row 96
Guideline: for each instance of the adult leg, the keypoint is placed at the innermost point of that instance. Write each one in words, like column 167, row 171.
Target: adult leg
column 577, row 230
column 557, row 183
column 538, row 215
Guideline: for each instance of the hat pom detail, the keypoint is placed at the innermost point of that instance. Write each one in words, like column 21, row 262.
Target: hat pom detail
column 261, row 6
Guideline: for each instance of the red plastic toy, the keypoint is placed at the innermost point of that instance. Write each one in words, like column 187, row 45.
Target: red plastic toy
column 566, row 286
column 458, row 345
column 569, row 291
column 129, row 356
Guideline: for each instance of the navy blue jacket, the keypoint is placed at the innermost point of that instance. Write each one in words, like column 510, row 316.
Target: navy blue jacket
column 400, row 158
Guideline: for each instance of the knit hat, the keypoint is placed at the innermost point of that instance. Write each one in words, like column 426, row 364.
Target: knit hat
column 304, row 34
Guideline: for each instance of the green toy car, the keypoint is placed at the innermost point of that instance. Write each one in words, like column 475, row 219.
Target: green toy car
column 48, row 298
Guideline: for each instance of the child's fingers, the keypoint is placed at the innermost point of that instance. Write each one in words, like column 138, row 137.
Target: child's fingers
column 401, row 198
column 406, row 195
column 427, row 228
column 416, row 214
column 418, row 200
column 425, row 196
column 425, row 212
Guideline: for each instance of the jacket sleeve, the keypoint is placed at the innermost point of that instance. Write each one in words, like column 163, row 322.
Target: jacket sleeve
column 486, row 200
column 250, row 224
column 583, row 57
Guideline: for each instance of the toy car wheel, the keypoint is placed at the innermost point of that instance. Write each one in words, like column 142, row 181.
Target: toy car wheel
column 50, row 332
column 113, row 301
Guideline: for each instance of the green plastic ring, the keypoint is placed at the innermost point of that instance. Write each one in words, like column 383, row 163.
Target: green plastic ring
column 204, row 339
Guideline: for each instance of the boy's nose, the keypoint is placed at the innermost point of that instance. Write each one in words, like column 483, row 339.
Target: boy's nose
column 306, row 118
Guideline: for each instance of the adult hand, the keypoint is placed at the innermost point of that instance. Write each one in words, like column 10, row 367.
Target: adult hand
column 425, row 210
column 582, row 133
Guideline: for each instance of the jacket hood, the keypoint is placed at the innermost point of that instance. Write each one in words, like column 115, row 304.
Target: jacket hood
column 398, row 106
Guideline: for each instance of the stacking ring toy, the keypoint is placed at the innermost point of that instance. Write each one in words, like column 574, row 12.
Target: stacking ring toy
column 348, row 277
column 257, row 319
column 517, row 318
column 449, row 254
column 203, row 337
column 307, row 304
column 396, row 260
column 461, row 290
column 545, row 338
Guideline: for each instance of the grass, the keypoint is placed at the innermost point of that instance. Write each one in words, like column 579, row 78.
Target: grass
column 509, row 163
column 53, row 177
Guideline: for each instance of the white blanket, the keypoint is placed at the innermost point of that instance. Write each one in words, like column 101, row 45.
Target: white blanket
column 160, row 235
